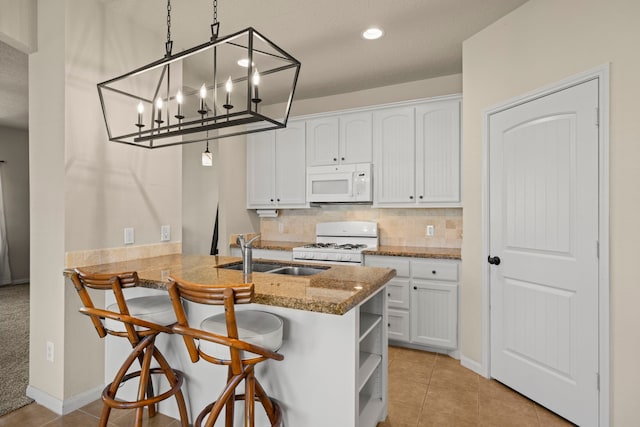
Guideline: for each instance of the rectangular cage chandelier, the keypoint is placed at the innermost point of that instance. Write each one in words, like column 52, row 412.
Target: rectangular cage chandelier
column 211, row 91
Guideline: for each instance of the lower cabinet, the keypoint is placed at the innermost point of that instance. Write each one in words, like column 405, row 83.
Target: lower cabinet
column 422, row 300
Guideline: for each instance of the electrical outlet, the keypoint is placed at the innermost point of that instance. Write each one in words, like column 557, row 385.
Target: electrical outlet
column 165, row 233
column 49, row 351
column 128, row 236
column 429, row 231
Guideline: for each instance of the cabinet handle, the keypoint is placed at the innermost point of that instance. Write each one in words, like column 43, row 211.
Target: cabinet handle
column 388, row 325
column 342, row 158
column 335, row 159
column 433, row 272
column 415, row 288
column 277, row 200
column 271, row 200
column 420, row 197
column 411, row 197
column 389, row 294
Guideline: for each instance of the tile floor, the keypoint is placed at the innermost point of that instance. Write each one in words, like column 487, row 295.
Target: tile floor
column 425, row 389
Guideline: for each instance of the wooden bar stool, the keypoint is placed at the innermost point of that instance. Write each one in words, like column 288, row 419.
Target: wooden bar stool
column 140, row 320
column 237, row 339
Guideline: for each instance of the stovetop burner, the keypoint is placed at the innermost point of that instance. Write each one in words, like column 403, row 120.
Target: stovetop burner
column 320, row 245
column 344, row 246
column 351, row 246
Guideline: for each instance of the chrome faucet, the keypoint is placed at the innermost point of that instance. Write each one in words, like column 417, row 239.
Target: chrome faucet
column 247, row 256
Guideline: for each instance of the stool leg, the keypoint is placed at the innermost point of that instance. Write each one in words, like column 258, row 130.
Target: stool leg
column 145, row 380
column 230, row 406
column 249, row 396
column 150, row 394
column 171, row 377
column 272, row 412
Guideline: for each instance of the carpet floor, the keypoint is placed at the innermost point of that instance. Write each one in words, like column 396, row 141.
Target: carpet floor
column 14, row 347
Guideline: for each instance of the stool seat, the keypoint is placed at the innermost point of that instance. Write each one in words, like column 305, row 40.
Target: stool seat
column 155, row 309
column 256, row 327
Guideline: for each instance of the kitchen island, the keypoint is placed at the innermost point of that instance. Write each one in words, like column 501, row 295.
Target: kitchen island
column 335, row 340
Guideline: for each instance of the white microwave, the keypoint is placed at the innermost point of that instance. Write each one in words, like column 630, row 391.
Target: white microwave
column 340, row 183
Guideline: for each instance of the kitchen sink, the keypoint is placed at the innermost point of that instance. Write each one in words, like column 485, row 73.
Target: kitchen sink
column 258, row 267
column 299, row 271
column 262, row 267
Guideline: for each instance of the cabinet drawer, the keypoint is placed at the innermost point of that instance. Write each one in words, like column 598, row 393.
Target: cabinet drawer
column 401, row 265
column 398, row 293
column 398, row 325
column 434, row 270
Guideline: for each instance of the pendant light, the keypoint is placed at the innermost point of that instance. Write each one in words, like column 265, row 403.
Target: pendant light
column 167, row 109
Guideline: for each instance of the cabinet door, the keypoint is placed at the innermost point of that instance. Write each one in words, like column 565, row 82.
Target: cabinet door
column 438, row 152
column 261, row 163
column 434, row 314
column 398, row 325
column 394, row 156
column 322, row 141
column 290, row 171
column 398, row 293
column 355, row 138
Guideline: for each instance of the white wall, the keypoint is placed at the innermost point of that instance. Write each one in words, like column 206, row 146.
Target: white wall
column 540, row 43
column 199, row 198
column 84, row 189
column 18, row 24
column 14, row 150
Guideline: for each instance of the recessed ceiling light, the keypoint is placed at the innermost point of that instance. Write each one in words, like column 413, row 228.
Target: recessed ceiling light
column 372, row 33
column 244, row 62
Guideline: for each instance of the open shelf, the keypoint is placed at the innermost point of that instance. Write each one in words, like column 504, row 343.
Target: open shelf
column 368, row 364
column 370, row 409
column 368, row 322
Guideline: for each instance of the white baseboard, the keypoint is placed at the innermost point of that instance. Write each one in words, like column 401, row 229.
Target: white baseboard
column 66, row 406
column 473, row 365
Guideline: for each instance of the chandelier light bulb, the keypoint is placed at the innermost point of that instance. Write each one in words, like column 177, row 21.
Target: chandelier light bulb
column 229, row 85
column 179, row 100
column 140, row 111
column 256, row 78
column 159, row 108
column 203, row 95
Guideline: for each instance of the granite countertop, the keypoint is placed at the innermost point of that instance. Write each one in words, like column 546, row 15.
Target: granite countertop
column 334, row 291
column 388, row 250
column 274, row 245
column 415, row 252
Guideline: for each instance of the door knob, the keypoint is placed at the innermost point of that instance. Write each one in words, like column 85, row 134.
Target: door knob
column 495, row 260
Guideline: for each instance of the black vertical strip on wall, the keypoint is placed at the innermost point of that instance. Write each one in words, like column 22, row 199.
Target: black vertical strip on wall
column 214, row 240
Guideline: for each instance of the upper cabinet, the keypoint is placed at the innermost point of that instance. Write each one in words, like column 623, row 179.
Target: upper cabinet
column 340, row 139
column 276, row 172
column 416, row 155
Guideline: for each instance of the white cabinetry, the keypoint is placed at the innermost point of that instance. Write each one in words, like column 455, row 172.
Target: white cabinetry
column 372, row 362
column 276, row 173
column 422, row 300
column 416, row 154
column 343, row 139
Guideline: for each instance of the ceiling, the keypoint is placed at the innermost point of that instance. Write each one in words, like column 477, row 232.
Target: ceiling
column 423, row 39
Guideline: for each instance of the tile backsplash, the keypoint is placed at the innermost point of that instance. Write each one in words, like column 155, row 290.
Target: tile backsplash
column 397, row 227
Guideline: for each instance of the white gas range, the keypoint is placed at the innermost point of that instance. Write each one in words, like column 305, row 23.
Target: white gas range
column 339, row 243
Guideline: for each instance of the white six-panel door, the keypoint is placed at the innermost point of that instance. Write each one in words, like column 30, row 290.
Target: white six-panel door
column 543, row 206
